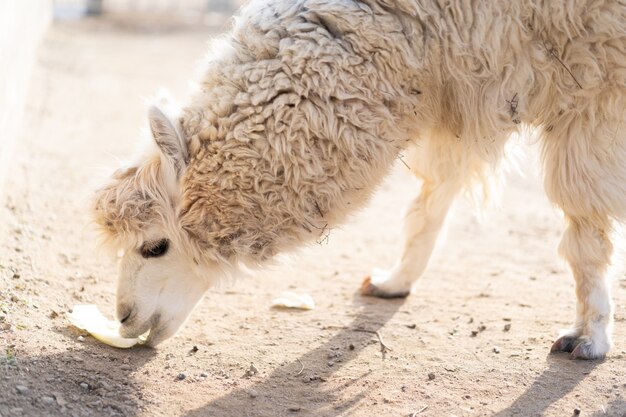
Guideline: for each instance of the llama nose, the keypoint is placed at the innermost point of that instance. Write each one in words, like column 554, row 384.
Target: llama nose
column 125, row 318
column 124, row 312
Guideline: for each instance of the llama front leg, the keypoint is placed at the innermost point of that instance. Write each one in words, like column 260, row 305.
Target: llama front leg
column 423, row 221
column 587, row 248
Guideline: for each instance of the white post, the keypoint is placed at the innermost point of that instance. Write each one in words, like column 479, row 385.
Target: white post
column 22, row 24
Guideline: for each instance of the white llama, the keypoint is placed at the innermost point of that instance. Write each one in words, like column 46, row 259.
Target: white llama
column 305, row 106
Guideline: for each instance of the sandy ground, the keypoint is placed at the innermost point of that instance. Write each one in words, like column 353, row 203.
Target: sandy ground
column 86, row 108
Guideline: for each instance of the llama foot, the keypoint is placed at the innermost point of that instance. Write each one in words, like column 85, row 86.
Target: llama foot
column 381, row 284
column 564, row 344
column 581, row 347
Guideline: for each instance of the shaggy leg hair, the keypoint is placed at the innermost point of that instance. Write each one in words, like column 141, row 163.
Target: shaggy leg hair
column 586, row 176
column 587, row 248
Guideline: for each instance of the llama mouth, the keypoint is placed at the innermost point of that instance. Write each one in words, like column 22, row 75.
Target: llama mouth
column 131, row 329
column 158, row 332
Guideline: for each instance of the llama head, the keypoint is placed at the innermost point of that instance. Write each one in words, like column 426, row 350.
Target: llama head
column 136, row 212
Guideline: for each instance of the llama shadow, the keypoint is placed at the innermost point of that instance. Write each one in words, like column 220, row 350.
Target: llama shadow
column 286, row 392
column 89, row 379
column 561, row 377
column 616, row 408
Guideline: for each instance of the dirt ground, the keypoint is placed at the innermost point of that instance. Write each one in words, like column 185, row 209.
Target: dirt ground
column 472, row 341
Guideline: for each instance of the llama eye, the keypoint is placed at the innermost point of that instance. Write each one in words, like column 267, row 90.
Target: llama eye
column 155, row 249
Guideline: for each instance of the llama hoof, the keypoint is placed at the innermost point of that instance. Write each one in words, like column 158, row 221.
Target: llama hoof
column 371, row 290
column 564, row 344
column 580, row 347
column 588, row 349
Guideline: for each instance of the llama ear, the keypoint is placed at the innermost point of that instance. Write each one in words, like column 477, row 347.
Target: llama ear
column 168, row 138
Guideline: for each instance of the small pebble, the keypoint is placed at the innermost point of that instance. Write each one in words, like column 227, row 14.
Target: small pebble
column 507, row 327
column 252, row 370
column 576, row 411
column 203, row 375
column 84, row 385
column 181, row 376
column 330, row 363
column 351, row 347
column 252, row 393
column 496, row 349
column 294, row 408
column 47, row 400
column 431, row 376
column 22, row 389
column 81, row 339
column 336, row 354
column 125, row 367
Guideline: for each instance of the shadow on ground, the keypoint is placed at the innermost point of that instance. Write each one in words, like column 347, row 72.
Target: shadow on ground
column 616, row 408
column 312, row 398
column 559, row 379
column 91, row 380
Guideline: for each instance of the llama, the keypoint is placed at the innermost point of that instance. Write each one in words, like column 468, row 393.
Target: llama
column 303, row 108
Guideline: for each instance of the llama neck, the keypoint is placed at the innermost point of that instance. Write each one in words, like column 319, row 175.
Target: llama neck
column 288, row 135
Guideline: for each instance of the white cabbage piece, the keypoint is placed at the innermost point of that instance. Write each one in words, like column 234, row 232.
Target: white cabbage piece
column 88, row 317
column 290, row 299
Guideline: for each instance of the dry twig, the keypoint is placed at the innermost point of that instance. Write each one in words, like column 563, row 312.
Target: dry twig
column 383, row 347
column 551, row 50
column 419, row 411
column 301, row 369
column 401, row 158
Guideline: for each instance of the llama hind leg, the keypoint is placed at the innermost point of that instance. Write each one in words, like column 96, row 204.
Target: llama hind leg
column 586, row 177
column 423, row 221
column 587, row 248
